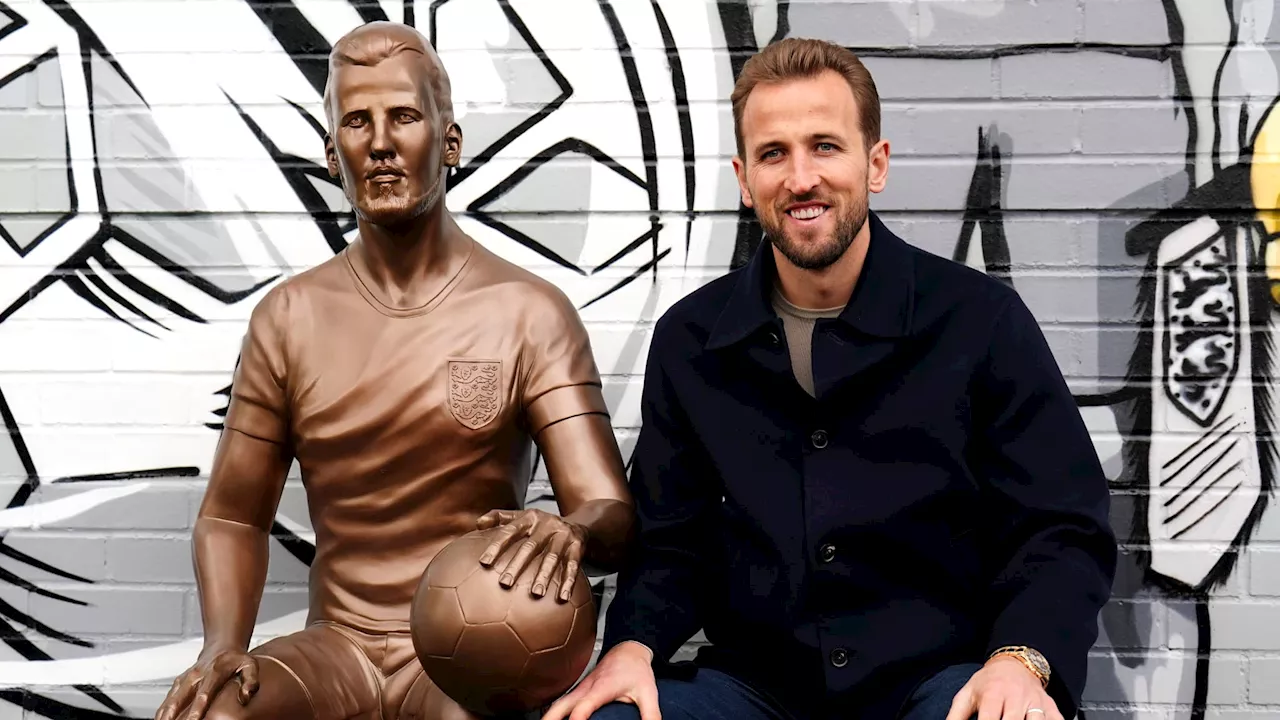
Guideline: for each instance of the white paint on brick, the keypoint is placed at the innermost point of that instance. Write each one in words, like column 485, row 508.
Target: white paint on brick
column 37, row 515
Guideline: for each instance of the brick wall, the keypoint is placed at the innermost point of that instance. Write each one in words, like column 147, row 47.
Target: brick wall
column 161, row 168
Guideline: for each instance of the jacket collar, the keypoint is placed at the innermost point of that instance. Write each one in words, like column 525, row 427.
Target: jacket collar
column 881, row 305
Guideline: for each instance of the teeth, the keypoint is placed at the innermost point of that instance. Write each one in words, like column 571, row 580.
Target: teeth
column 808, row 213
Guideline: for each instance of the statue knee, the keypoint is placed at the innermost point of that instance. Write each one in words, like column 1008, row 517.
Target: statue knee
column 224, row 714
column 226, row 706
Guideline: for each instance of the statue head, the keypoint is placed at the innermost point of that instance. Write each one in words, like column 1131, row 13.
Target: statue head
column 391, row 130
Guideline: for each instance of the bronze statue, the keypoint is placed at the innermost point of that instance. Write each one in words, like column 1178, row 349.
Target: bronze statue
column 408, row 376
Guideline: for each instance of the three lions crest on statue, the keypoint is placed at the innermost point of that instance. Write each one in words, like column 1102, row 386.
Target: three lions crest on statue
column 475, row 391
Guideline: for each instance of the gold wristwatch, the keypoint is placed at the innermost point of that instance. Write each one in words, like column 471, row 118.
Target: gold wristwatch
column 1029, row 657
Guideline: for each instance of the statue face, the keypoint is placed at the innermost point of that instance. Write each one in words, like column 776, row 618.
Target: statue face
column 388, row 143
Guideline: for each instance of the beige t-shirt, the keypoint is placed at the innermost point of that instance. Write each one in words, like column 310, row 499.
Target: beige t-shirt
column 798, row 323
column 407, row 424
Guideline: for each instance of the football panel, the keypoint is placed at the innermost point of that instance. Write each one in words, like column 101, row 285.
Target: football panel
column 492, row 654
column 483, row 599
column 542, row 623
column 456, row 561
column 581, row 594
column 553, row 671
column 582, row 636
column 437, row 621
column 583, row 632
column 484, row 668
column 550, row 673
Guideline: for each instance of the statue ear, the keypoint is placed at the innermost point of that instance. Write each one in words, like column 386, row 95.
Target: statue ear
column 453, row 145
column 331, row 156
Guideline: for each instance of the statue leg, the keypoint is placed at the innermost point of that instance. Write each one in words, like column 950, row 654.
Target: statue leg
column 279, row 695
column 425, row 701
column 319, row 673
column 408, row 694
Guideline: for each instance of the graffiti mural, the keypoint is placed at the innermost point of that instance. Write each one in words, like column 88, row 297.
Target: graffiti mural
column 179, row 174
column 161, row 168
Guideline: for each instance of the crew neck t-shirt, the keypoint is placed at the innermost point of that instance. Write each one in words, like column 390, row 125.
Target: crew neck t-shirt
column 407, row 424
column 797, row 323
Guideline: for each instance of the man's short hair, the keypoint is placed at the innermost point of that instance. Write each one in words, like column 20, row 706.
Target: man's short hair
column 807, row 58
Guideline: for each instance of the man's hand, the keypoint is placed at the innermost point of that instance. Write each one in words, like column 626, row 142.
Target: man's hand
column 195, row 689
column 623, row 674
column 561, row 543
column 1004, row 689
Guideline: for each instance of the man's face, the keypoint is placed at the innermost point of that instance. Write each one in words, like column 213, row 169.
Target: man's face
column 387, row 143
column 806, row 171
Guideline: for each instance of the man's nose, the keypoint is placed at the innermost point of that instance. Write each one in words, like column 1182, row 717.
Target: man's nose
column 802, row 176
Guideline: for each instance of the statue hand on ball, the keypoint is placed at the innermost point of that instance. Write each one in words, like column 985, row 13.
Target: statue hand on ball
column 560, row 543
column 495, row 647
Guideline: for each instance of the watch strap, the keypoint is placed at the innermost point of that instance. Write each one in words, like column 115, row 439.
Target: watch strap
column 1030, row 658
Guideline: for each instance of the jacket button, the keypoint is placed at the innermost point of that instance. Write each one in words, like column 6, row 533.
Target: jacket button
column 839, row 657
column 819, row 438
column 827, row 553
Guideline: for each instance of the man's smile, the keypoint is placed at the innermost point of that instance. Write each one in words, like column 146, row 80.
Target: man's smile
column 807, row 212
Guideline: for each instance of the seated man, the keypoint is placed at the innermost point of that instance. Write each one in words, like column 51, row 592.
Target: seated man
column 859, row 471
column 408, row 376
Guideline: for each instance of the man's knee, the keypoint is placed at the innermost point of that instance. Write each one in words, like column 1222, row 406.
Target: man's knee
column 932, row 699
column 617, row 711
column 710, row 695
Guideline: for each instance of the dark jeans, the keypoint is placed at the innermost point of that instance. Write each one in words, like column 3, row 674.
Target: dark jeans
column 710, row 695
column 932, row 700
column 713, row 695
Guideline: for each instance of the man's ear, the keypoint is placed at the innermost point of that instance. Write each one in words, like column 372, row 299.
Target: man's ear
column 331, row 155
column 740, row 172
column 452, row 145
column 878, row 166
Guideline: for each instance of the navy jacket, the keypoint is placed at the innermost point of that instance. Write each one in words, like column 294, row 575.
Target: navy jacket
column 938, row 499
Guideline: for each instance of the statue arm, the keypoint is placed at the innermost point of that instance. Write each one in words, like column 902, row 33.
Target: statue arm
column 230, row 539
column 252, row 460
column 566, row 414
column 590, row 486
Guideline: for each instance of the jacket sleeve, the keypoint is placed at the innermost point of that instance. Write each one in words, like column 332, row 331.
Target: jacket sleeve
column 659, row 589
column 1056, row 550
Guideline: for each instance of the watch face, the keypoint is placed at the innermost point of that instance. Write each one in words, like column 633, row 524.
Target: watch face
column 1039, row 661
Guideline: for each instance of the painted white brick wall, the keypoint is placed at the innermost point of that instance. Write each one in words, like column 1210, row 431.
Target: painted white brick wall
column 1077, row 119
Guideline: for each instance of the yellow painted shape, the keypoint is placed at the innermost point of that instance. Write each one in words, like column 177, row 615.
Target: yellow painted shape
column 1264, row 179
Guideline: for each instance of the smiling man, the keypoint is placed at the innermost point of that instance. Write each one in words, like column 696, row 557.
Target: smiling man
column 409, row 377
column 860, row 470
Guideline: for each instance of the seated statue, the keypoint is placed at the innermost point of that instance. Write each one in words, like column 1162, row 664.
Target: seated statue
column 409, row 376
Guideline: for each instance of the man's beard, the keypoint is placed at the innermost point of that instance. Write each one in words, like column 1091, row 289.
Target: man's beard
column 821, row 253
column 389, row 209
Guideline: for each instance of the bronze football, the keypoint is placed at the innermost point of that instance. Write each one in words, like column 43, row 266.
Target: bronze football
column 492, row 649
